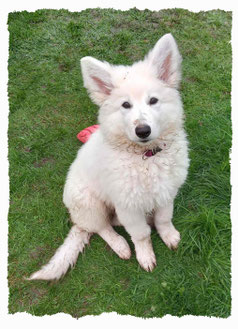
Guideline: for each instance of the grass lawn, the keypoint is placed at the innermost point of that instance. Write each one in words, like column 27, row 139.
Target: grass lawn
column 49, row 106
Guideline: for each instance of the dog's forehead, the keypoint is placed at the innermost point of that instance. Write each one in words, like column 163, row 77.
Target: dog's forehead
column 135, row 81
column 137, row 70
column 136, row 89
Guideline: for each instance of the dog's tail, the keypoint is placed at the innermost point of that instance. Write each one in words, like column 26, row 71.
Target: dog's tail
column 65, row 256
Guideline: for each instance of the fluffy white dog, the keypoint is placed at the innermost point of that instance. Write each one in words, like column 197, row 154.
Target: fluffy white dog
column 130, row 170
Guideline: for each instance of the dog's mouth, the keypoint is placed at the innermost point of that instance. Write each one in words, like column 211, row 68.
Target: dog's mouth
column 144, row 141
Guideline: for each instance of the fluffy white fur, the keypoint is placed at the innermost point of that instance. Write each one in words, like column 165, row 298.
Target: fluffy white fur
column 110, row 176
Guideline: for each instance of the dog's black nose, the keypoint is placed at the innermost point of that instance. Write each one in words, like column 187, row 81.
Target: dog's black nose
column 143, row 131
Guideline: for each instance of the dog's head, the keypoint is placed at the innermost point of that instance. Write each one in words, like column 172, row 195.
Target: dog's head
column 141, row 101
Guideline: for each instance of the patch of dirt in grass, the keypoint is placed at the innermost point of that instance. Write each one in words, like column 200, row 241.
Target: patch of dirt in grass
column 65, row 67
column 37, row 252
column 43, row 161
column 191, row 79
column 27, row 149
column 125, row 283
column 35, row 294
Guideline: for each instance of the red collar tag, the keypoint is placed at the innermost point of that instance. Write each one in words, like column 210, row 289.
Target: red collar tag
column 149, row 153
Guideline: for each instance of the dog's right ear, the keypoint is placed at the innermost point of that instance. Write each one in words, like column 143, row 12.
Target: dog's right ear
column 97, row 78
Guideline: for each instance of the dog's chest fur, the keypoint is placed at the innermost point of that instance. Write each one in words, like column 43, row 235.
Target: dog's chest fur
column 126, row 179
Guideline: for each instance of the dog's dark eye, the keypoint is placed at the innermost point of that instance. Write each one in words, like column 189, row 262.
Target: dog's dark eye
column 153, row 100
column 126, row 105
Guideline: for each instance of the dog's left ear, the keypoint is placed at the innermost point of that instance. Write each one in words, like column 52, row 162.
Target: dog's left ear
column 165, row 60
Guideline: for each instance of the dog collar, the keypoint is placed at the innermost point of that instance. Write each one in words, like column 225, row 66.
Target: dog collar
column 149, row 153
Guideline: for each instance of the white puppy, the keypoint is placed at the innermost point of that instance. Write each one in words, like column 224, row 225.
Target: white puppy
column 133, row 165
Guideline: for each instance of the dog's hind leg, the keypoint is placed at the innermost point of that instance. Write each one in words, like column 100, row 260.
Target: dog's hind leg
column 96, row 219
column 116, row 242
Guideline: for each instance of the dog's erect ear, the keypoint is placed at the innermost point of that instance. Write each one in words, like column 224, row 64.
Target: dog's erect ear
column 97, row 79
column 165, row 60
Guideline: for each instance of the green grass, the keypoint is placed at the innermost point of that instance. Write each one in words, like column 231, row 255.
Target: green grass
column 49, row 106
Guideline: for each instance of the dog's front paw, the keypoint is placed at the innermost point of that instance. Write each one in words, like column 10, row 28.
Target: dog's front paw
column 145, row 255
column 146, row 261
column 171, row 237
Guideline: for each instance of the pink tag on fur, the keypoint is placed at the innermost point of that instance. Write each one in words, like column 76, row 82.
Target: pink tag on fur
column 85, row 134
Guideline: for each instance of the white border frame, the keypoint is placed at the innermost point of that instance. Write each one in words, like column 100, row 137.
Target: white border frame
column 109, row 319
